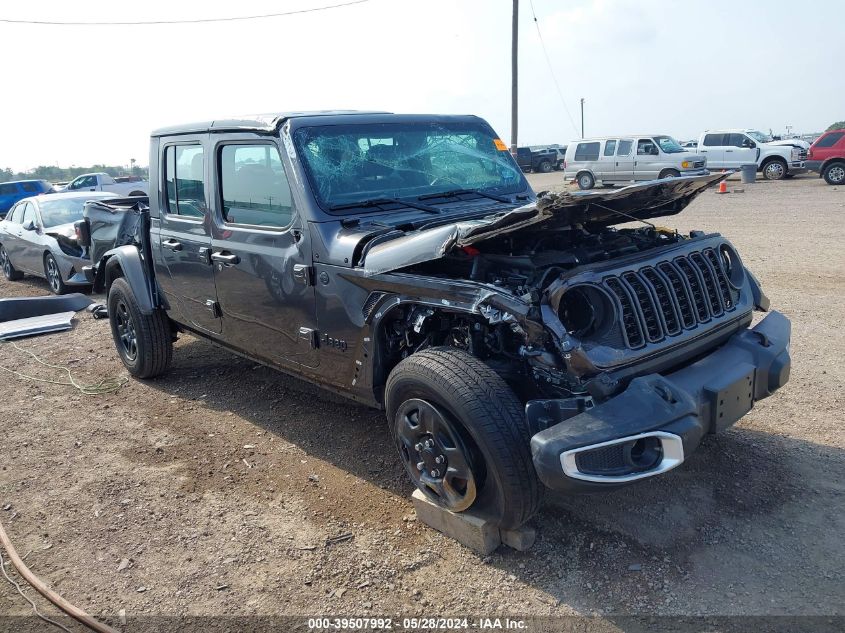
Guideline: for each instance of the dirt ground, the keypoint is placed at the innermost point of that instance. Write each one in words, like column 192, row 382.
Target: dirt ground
column 218, row 489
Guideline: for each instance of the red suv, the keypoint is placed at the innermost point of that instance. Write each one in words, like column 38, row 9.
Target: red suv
column 827, row 156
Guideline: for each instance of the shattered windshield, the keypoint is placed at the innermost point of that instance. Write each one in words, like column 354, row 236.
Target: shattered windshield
column 759, row 136
column 669, row 145
column 354, row 163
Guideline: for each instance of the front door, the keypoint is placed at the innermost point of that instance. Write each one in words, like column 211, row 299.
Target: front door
column 740, row 150
column 646, row 161
column 184, row 236
column 30, row 251
column 261, row 257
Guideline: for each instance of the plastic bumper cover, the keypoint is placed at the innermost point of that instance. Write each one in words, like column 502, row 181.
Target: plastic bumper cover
column 663, row 417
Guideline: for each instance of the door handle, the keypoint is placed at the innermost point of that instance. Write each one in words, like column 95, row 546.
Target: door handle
column 225, row 258
column 173, row 245
column 727, row 151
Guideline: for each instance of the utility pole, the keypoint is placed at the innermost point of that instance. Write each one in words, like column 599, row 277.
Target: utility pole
column 514, row 77
column 582, row 117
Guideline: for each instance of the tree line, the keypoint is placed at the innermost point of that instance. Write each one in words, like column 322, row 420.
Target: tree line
column 52, row 173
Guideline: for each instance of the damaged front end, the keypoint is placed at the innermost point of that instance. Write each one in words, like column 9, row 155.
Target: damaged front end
column 626, row 344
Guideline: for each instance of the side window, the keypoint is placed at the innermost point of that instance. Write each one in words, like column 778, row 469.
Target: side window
column 830, row 140
column 28, row 215
column 587, row 151
column 624, row 148
column 184, row 181
column 609, row 148
column 15, row 214
column 715, row 140
column 646, row 147
column 76, row 184
column 8, row 190
column 253, row 186
column 30, row 187
column 735, row 140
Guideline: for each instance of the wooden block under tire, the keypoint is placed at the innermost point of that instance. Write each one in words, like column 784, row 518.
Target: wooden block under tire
column 469, row 530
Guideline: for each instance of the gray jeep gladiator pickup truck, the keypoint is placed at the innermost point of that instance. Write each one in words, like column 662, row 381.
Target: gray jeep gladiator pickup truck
column 514, row 342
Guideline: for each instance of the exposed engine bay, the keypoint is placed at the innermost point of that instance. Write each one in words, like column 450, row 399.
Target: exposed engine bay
column 594, row 299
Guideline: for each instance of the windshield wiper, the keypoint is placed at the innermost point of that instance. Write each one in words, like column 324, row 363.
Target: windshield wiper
column 454, row 193
column 378, row 202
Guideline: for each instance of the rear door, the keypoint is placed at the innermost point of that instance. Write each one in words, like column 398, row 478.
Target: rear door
column 713, row 148
column 261, row 255
column 624, row 163
column 10, row 236
column 184, row 240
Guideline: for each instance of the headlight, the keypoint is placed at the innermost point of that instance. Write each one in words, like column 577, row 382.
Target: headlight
column 685, row 164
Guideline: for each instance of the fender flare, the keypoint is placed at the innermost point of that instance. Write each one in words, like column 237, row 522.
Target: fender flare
column 126, row 262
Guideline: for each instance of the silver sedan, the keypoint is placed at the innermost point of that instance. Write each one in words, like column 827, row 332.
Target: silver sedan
column 38, row 237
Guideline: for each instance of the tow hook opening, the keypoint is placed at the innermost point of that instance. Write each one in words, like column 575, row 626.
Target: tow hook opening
column 625, row 459
column 643, row 454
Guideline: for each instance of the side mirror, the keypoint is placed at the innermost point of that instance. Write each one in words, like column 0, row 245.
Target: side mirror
column 29, row 226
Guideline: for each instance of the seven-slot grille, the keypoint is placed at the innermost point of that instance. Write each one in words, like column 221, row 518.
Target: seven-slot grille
column 662, row 300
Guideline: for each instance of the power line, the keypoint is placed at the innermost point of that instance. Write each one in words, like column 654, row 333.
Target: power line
column 194, row 21
column 551, row 70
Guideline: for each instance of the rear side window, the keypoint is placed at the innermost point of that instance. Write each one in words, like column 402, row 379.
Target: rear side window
column 31, row 187
column 253, row 186
column 587, row 151
column 609, row 148
column 184, row 181
column 715, row 140
column 830, row 140
column 8, row 190
column 624, row 148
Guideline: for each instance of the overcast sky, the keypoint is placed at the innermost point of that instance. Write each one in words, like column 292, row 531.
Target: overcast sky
column 80, row 95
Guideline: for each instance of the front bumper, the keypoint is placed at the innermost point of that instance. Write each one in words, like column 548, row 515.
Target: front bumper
column 797, row 167
column 666, row 415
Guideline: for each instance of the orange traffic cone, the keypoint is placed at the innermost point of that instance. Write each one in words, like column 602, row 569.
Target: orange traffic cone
column 723, row 187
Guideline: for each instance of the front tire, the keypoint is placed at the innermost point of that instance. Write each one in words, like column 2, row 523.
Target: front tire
column 774, row 169
column 544, row 167
column 462, row 436
column 53, row 274
column 586, row 181
column 9, row 271
column 143, row 342
column 669, row 173
column 834, row 174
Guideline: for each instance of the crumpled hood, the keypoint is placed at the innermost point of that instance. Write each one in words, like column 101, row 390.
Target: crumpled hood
column 640, row 201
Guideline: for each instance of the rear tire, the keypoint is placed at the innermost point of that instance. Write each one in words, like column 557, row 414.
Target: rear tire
column 480, row 456
column 53, row 274
column 586, row 181
column 774, row 169
column 143, row 342
column 834, row 174
column 9, row 271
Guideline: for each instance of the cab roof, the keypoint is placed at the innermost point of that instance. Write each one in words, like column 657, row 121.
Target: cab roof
column 266, row 123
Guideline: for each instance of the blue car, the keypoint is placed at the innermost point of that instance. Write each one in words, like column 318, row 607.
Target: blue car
column 11, row 192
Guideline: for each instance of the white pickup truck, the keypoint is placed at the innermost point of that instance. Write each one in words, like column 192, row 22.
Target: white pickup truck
column 104, row 182
column 731, row 149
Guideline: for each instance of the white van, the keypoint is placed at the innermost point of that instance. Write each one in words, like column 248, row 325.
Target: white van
column 630, row 158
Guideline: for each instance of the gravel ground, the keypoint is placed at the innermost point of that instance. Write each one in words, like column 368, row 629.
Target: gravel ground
column 218, row 489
